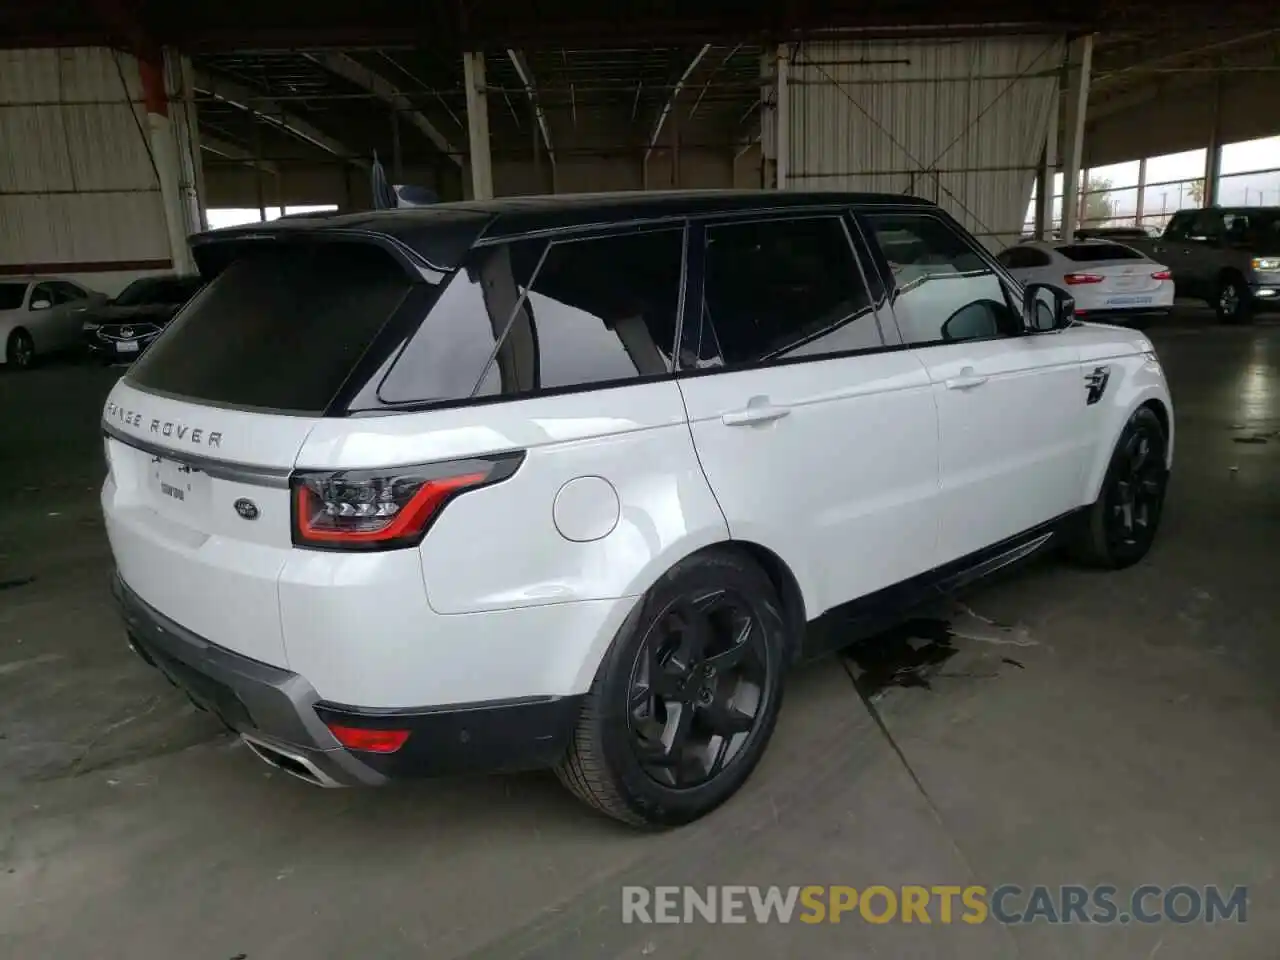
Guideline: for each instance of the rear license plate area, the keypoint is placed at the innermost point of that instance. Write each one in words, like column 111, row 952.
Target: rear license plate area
column 178, row 486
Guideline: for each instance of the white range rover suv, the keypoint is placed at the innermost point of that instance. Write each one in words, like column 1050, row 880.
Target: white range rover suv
column 571, row 482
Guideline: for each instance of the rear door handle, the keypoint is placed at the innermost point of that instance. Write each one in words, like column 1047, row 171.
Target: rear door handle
column 966, row 381
column 757, row 410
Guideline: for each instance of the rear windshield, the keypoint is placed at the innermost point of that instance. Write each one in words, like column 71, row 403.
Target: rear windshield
column 280, row 329
column 11, row 295
column 1098, row 251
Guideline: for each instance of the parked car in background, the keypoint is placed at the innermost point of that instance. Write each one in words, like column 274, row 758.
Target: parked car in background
column 1111, row 282
column 119, row 330
column 39, row 316
column 570, row 482
column 1227, row 256
column 1116, row 233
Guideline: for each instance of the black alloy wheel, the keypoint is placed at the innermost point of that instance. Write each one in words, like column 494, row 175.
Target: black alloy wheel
column 1120, row 526
column 687, row 696
column 1233, row 303
column 696, row 688
column 20, row 351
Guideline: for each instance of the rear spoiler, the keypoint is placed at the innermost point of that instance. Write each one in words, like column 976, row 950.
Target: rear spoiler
column 214, row 251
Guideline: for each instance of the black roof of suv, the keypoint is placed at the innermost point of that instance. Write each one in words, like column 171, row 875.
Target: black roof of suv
column 443, row 233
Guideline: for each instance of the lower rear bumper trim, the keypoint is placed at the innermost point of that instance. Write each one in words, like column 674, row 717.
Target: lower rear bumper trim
column 282, row 719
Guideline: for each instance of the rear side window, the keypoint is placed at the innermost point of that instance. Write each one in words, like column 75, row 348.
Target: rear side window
column 540, row 315
column 280, row 329
column 777, row 289
column 1084, row 252
column 11, row 295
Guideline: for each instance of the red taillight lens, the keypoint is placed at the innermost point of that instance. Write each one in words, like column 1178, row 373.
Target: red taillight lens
column 384, row 509
column 371, row 741
column 1162, row 275
column 1076, row 278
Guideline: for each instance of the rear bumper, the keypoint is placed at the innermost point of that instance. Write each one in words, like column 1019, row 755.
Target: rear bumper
column 282, row 718
column 1121, row 314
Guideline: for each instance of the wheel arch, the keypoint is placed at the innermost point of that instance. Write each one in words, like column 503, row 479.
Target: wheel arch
column 1152, row 398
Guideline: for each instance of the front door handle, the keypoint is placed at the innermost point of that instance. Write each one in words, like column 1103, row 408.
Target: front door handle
column 757, row 410
column 966, row 381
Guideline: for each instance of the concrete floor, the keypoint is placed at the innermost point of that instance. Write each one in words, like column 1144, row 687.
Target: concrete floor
column 1123, row 730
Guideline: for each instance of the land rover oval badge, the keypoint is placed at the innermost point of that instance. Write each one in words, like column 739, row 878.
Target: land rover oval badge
column 247, row 509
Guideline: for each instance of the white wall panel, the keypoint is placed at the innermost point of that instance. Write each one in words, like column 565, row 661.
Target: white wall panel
column 961, row 122
column 77, row 184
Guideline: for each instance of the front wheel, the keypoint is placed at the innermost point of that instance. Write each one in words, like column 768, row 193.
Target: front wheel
column 20, row 350
column 687, row 697
column 1233, row 304
column 1120, row 526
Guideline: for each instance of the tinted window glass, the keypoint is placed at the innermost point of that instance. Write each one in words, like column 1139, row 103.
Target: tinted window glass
column 1179, row 226
column 1098, row 251
column 11, row 295
column 139, row 291
column 565, row 314
column 279, row 329
column 42, row 291
column 944, row 290
column 1257, row 227
column 785, row 288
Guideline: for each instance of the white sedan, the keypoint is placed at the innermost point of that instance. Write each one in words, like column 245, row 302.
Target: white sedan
column 41, row 315
column 1109, row 281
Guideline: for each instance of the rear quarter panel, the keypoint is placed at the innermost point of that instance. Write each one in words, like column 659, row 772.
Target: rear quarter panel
column 613, row 468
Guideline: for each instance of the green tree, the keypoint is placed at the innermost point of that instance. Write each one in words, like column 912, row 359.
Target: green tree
column 1099, row 207
column 1196, row 190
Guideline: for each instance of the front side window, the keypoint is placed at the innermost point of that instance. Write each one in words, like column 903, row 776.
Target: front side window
column 779, row 289
column 944, row 290
column 544, row 315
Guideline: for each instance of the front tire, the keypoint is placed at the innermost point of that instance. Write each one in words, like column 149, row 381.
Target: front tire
column 687, row 697
column 1118, row 529
column 20, row 350
column 1233, row 304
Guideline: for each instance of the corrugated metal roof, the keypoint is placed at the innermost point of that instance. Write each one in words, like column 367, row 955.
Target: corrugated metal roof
column 959, row 122
column 77, row 181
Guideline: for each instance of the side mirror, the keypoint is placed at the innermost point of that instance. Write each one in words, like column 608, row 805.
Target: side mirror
column 41, row 304
column 1046, row 308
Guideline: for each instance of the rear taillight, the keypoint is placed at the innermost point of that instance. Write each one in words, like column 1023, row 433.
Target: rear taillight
column 1077, row 278
column 1162, row 275
column 384, row 509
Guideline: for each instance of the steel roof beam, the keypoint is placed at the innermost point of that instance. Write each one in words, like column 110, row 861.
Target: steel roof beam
column 248, row 100
column 671, row 100
column 357, row 73
column 233, row 151
column 531, row 90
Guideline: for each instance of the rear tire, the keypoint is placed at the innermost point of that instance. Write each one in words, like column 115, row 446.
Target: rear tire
column 1233, row 304
column 1117, row 530
column 20, row 350
column 687, row 696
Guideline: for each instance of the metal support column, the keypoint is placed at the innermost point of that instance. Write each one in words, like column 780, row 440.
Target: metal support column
column 1077, row 105
column 1213, row 154
column 478, row 127
column 782, row 116
column 1142, row 192
column 1048, row 170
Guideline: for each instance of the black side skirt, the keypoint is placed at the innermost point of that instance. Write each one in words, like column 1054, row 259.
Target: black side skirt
column 880, row 610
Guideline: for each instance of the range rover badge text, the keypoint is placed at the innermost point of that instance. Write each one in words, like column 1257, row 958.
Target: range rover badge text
column 247, row 509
